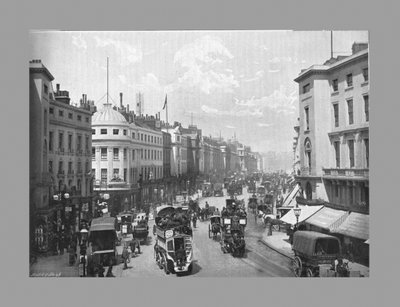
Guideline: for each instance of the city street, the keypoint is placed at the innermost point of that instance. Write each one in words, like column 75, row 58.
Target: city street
column 209, row 260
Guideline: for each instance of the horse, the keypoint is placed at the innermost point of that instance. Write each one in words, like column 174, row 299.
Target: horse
column 215, row 229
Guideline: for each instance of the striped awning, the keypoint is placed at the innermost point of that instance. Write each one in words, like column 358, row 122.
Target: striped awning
column 356, row 225
column 328, row 218
column 305, row 213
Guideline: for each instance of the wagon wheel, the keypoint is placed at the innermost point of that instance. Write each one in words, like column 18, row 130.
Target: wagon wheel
column 159, row 261
column 165, row 265
column 297, row 266
column 309, row 273
column 209, row 231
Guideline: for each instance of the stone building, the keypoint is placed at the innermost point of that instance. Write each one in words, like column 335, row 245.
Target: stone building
column 60, row 164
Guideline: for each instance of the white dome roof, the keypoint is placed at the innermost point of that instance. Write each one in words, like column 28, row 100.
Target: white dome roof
column 108, row 116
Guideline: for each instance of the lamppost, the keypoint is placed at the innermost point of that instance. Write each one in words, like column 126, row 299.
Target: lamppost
column 297, row 212
column 60, row 224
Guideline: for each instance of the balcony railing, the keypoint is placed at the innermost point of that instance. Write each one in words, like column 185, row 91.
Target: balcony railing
column 346, row 172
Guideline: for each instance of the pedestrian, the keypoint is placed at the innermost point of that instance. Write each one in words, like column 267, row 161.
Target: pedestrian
column 125, row 257
column 110, row 267
column 194, row 219
column 135, row 244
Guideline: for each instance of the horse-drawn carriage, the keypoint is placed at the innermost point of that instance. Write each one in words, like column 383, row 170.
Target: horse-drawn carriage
column 232, row 235
column 314, row 254
column 125, row 220
column 141, row 228
column 215, row 226
column 252, row 205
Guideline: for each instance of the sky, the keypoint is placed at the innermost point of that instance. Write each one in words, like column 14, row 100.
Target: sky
column 227, row 82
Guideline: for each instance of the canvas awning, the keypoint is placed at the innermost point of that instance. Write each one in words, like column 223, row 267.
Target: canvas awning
column 328, row 218
column 356, row 225
column 306, row 212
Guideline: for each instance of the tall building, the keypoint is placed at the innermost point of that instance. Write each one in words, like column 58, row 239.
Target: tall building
column 128, row 158
column 139, row 103
column 333, row 146
column 334, row 129
column 60, row 164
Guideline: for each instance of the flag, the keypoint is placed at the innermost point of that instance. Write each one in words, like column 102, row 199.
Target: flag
column 165, row 103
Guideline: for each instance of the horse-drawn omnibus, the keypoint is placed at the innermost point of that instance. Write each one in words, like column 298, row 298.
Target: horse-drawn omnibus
column 173, row 248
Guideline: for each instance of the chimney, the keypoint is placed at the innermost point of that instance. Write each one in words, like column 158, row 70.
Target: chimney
column 357, row 47
column 120, row 100
column 127, row 108
column 58, row 87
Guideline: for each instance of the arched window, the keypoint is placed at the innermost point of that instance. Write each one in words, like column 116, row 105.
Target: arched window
column 307, row 153
column 308, row 191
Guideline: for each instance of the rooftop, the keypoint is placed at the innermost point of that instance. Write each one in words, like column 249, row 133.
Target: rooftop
column 108, row 116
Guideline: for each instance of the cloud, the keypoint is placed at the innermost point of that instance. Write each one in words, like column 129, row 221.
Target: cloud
column 122, row 78
column 79, row 42
column 126, row 53
column 259, row 74
column 149, row 82
column 263, row 125
column 274, row 70
column 230, row 127
column 279, row 101
column 200, row 61
column 208, row 109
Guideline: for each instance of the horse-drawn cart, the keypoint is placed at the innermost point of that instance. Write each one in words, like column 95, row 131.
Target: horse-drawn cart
column 215, row 226
column 314, row 254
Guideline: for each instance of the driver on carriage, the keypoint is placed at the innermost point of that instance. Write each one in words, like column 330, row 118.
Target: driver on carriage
column 180, row 254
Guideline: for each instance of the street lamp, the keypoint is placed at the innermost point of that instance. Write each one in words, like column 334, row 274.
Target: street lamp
column 61, row 197
column 297, row 212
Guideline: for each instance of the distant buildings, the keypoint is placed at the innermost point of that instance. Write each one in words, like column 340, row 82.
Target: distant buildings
column 81, row 157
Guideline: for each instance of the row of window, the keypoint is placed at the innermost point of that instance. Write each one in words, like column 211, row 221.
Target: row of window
column 350, row 146
column 350, row 194
column 335, row 82
column 70, row 147
column 146, row 154
column 70, row 169
column 350, row 112
column 140, row 136
column 70, row 115
column 147, row 173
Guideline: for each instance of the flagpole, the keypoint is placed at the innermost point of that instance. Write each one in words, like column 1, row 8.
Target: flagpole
column 166, row 111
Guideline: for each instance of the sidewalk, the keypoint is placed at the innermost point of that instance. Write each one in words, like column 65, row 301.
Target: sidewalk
column 53, row 266
column 279, row 242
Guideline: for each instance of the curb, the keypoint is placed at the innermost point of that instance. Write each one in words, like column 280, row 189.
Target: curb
column 275, row 249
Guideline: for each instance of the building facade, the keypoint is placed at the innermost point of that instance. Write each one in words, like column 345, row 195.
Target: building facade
column 334, row 129
column 334, row 147
column 60, row 179
column 127, row 159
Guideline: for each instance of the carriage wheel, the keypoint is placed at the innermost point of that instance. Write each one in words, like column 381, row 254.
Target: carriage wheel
column 297, row 266
column 190, row 268
column 159, row 261
column 209, row 231
column 165, row 265
column 309, row 273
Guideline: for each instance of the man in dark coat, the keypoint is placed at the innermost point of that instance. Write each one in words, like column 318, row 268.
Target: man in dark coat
column 181, row 254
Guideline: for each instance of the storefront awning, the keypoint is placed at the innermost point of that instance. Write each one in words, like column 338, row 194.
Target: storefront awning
column 328, row 218
column 356, row 225
column 306, row 212
column 290, row 200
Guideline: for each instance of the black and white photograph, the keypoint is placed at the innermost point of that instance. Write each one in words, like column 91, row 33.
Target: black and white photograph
column 189, row 153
